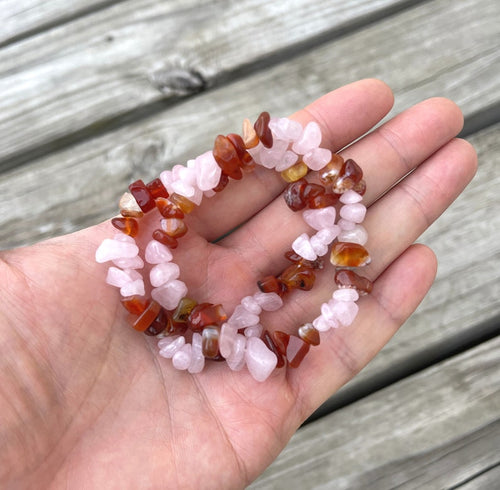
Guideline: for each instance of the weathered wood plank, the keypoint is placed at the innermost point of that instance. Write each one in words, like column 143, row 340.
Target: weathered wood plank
column 87, row 74
column 485, row 481
column 21, row 18
column 104, row 165
column 436, row 429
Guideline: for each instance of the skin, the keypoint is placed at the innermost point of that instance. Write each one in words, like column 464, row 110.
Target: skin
column 86, row 402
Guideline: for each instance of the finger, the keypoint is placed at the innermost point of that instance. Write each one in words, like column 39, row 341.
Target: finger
column 265, row 237
column 344, row 115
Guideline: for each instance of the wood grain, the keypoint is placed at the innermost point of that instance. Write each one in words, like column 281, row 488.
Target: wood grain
column 437, row 429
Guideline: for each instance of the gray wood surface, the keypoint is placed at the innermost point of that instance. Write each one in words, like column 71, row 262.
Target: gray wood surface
column 97, row 93
column 437, row 429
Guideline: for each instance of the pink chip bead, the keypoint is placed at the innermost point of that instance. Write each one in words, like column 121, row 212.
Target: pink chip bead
column 129, row 263
column 268, row 301
column 321, row 324
column 197, row 357
column 288, row 159
column 344, row 311
column 260, row 360
column 255, row 331
column 133, row 288
column 113, row 249
column 156, row 253
column 241, row 318
column 350, row 197
column 162, row 273
column 250, row 304
column 236, row 361
column 285, row 129
column 182, row 358
column 317, row 158
column 170, row 345
column 208, row 171
column 169, row 294
column 345, row 294
column 353, row 212
column 117, row 277
column 357, row 235
column 227, row 339
column 308, row 140
column 320, row 218
column 302, row 246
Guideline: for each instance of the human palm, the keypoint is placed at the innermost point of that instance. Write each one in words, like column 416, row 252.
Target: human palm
column 86, row 402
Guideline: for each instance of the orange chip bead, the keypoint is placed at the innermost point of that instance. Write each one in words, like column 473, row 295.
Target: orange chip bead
column 349, row 279
column 349, row 175
column 298, row 276
column 159, row 324
column 183, row 310
column 174, row 227
column 206, row 314
column 329, row 173
column 185, row 205
column 268, row 340
column 142, row 195
column 129, row 226
column 223, row 181
column 226, row 156
column 298, row 259
column 147, row 317
column 345, row 254
column 309, row 334
column 210, row 342
column 295, row 172
column 157, row 189
column 323, row 201
column 167, row 209
column 263, row 130
column 250, row 138
column 135, row 304
column 162, row 237
column 271, row 284
column 293, row 347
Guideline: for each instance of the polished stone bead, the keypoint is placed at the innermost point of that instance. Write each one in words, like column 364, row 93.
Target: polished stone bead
column 182, row 358
column 285, row 129
column 317, row 158
column 309, row 139
column 227, row 338
column 330, row 172
column 263, row 130
column 129, row 207
column 173, row 327
column 298, row 276
column 309, row 334
column 157, row 189
column 163, row 273
column 345, row 294
column 302, row 246
column 159, row 324
column 165, row 239
column 350, row 174
column 113, row 249
column 320, row 218
column 247, row 163
column 242, row 318
column 268, row 301
column 355, row 212
column 236, row 360
column 226, row 156
column 167, row 209
column 295, row 172
column 250, row 138
column 223, row 181
column 268, row 340
column 294, row 195
column 287, row 160
column 135, row 304
column 350, row 197
column 129, row 226
column 349, row 279
column 259, row 359
column 250, row 304
column 170, row 345
column 210, row 342
column 134, row 287
column 296, row 350
column 156, row 253
column 358, row 234
column 345, row 254
column 147, row 316
column 281, row 340
column 270, row 284
column 205, row 314
column 197, row 358
column 142, row 196
column 174, row 227
column 323, row 201
column 183, row 310
column 360, row 187
column 183, row 203
column 207, row 171
column 170, row 294
column 294, row 257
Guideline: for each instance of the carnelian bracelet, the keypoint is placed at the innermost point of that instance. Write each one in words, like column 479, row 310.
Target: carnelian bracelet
column 190, row 332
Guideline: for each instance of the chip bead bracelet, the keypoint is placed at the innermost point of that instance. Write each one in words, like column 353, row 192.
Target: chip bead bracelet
column 190, row 332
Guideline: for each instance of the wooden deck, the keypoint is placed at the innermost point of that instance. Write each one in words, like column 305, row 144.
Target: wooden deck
column 96, row 93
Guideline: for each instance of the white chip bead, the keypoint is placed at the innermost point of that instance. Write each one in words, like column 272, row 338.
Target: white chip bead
column 197, row 357
column 251, row 305
column 113, row 249
column 169, row 294
column 350, row 197
column 344, row 311
column 318, row 246
column 156, row 253
column 357, row 235
column 121, row 237
column 255, row 331
column 327, row 235
column 236, row 361
column 345, row 294
column 208, row 171
column 317, row 158
column 182, row 358
column 170, row 345
column 129, row 263
column 320, row 218
column 321, row 325
column 270, row 157
column 268, row 301
column 241, row 318
column 285, row 129
column 183, row 189
column 133, row 288
column 328, row 314
column 303, row 247
column 346, row 224
column 308, row 140
column 288, row 159
column 353, row 212
column 162, row 273
column 117, row 277
column 259, row 359
column 167, row 178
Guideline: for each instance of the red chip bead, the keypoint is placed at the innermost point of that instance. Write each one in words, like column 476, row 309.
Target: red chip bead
column 223, row 181
column 271, row 284
column 345, row 254
column 298, row 276
column 142, row 195
column 345, row 278
column 226, row 157
column 210, row 342
column 268, row 340
column 312, row 191
column 329, row 173
column 129, row 226
column 206, row 314
column 309, row 334
column 349, row 175
column 294, row 195
column 294, row 348
column 281, row 340
column 159, row 324
column 263, row 130
column 323, row 201
column 185, row 205
column 247, row 163
column 147, row 317
column 157, row 189
column 135, row 304
column 167, row 209
column 174, row 227
column 294, row 257
column 162, row 237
